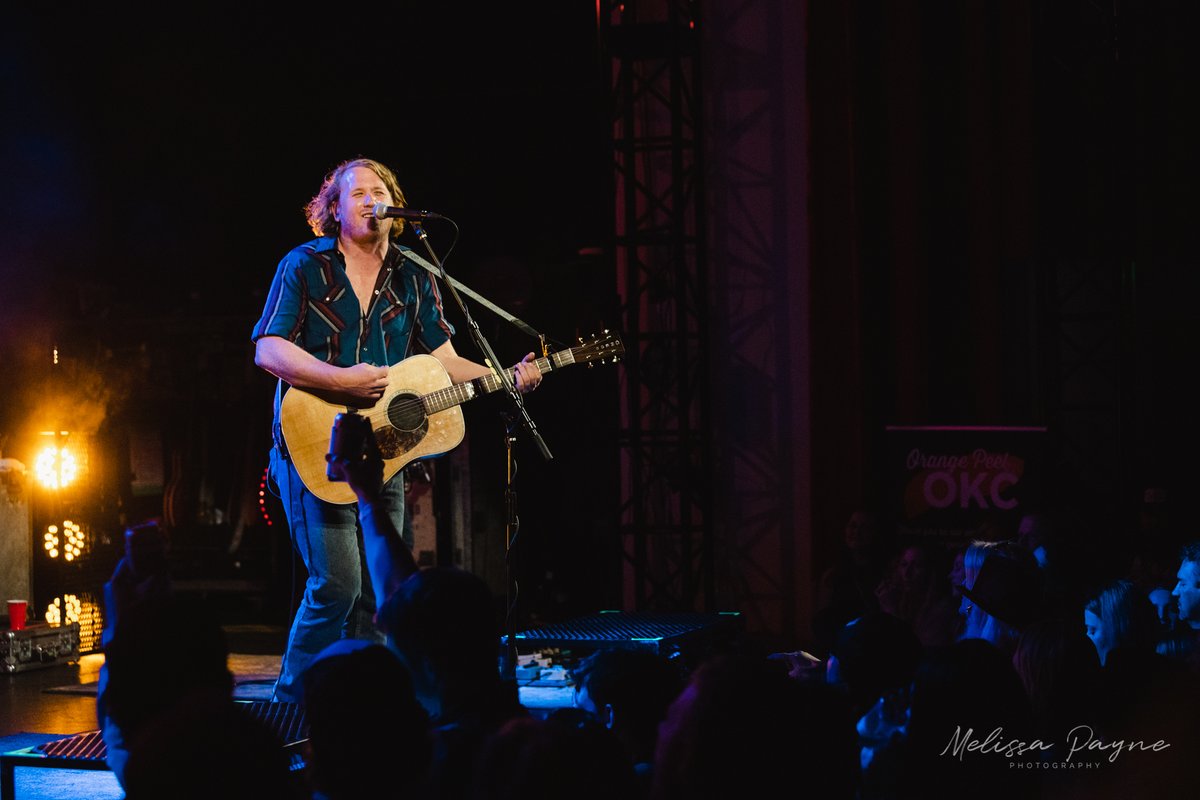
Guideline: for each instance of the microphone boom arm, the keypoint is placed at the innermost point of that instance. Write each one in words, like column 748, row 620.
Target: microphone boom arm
column 506, row 379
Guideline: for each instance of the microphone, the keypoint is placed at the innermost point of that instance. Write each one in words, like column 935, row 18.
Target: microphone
column 384, row 211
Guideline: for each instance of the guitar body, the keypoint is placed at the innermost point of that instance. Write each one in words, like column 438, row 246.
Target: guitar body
column 403, row 430
column 417, row 417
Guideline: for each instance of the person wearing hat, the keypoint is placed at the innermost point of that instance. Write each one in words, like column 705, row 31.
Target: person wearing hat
column 1008, row 591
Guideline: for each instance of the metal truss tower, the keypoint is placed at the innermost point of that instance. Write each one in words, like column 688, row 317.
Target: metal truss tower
column 667, row 490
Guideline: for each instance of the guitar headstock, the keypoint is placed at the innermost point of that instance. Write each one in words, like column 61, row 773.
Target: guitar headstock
column 602, row 348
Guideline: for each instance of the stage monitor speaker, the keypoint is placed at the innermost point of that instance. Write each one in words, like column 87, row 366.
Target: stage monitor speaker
column 668, row 634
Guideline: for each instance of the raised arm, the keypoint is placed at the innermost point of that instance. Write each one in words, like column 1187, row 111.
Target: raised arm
column 389, row 560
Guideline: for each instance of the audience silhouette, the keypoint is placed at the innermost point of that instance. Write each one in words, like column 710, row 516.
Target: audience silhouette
column 629, row 692
column 361, row 710
column 915, row 591
column 545, row 759
column 847, row 589
column 1120, row 615
column 960, row 693
column 978, row 686
column 743, row 728
column 140, row 576
column 1006, row 595
column 170, row 694
column 873, row 657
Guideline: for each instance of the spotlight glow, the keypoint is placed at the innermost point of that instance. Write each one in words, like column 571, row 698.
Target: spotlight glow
column 55, row 467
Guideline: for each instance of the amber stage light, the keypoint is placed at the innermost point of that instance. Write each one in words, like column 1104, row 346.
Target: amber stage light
column 56, row 467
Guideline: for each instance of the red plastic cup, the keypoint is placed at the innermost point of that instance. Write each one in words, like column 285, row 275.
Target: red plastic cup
column 16, row 614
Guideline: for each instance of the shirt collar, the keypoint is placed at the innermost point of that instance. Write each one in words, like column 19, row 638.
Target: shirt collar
column 328, row 244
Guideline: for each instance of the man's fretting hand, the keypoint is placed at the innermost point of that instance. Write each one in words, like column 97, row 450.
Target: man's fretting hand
column 528, row 376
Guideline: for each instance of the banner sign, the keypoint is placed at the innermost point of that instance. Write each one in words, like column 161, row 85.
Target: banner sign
column 946, row 481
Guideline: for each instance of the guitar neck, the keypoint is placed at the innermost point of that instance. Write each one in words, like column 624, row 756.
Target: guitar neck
column 460, row 393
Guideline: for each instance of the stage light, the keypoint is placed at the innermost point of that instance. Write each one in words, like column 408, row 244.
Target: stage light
column 67, row 608
column 262, row 498
column 55, row 467
column 71, row 540
column 83, row 609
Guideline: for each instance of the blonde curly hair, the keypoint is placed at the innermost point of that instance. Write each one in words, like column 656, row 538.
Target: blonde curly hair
column 320, row 209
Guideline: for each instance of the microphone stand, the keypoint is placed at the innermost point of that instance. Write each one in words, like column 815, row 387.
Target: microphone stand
column 508, row 670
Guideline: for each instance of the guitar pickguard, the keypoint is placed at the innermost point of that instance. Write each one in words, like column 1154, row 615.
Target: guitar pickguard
column 407, row 426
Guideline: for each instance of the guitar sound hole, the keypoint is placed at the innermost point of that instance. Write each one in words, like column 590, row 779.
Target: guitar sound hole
column 406, row 413
column 407, row 426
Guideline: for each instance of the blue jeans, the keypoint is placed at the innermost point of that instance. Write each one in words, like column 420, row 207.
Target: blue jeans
column 338, row 599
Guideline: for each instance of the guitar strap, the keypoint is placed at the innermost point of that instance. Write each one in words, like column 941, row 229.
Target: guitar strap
column 469, row 292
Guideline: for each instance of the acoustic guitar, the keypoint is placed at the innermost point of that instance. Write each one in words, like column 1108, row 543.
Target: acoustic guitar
column 418, row 416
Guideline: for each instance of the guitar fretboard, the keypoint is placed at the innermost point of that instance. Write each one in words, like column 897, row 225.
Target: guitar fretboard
column 462, row 392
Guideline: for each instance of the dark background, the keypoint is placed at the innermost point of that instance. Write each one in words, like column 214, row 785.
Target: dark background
column 1003, row 232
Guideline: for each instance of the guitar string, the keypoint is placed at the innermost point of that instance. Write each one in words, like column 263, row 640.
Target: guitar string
column 453, row 395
